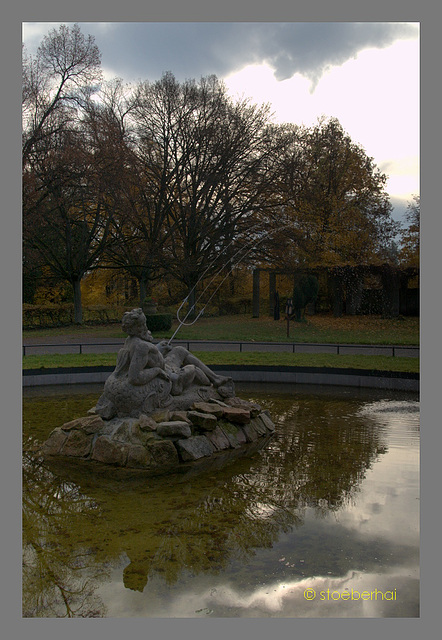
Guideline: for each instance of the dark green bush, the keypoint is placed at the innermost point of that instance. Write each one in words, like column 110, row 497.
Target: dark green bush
column 159, row 321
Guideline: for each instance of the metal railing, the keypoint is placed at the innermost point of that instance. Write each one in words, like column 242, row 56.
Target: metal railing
column 239, row 346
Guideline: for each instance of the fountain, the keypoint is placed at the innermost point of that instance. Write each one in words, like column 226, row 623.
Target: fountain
column 161, row 410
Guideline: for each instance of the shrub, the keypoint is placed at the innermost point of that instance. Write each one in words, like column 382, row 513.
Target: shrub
column 304, row 293
column 159, row 321
column 49, row 315
column 60, row 315
column 235, row 306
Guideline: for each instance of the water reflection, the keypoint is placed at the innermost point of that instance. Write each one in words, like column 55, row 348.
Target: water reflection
column 60, row 575
column 236, row 542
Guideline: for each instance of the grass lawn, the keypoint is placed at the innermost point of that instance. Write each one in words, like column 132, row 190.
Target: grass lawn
column 318, row 329
column 378, row 363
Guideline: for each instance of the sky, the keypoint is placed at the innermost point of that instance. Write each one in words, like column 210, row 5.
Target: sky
column 365, row 74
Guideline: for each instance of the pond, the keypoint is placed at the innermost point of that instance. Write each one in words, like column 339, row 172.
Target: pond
column 321, row 523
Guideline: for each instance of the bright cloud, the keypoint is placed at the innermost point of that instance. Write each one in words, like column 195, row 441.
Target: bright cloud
column 374, row 96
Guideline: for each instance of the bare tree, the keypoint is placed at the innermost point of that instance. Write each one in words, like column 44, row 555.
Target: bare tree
column 66, row 62
column 67, row 213
column 210, row 160
column 140, row 194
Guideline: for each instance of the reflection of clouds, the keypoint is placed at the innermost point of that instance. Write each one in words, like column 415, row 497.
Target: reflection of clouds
column 391, row 413
column 388, row 504
column 396, row 596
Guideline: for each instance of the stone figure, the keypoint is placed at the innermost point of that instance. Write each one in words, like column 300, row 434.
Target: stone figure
column 185, row 368
column 147, row 376
column 161, row 409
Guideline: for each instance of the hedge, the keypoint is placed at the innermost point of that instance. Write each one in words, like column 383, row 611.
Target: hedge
column 42, row 316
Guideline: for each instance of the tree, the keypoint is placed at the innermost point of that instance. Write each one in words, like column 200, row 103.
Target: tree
column 65, row 63
column 410, row 236
column 140, row 193
column 335, row 197
column 63, row 202
column 207, row 156
column 66, row 213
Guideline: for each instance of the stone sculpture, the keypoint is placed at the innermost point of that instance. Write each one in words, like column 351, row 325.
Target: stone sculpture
column 149, row 377
column 161, row 408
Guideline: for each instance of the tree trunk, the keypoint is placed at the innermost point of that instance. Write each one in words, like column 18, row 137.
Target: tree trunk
column 191, row 302
column 255, row 302
column 272, row 292
column 337, row 293
column 143, row 290
column 78, row 311
column 390, row 283
column 403, row 288
column 355, row 285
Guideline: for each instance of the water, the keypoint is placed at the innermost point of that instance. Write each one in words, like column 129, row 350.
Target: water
column 324, row 522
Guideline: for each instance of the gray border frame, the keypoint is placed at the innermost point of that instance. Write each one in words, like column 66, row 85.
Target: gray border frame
column 197, row 10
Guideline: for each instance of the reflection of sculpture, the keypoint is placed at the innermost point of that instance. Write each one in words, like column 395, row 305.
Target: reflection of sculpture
column 146, row 376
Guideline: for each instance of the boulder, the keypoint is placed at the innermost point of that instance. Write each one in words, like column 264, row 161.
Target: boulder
column 259, row 426
column 195, row 447
column 174, row 430
column 109, row 452
column 232, row 433
column 146, row 423
column 164, row 454
column 78, row 444
column 160, row 416
column 141, row 436
column 265, row 417
column 53, row 445
column 239, row 403
column 208, row 407
column 236, row 415
column 138, row 457
column 250, row 432
column 204, row 421
column 179, row 416
column 218, row 438
column 88, row 424
column 123, row 432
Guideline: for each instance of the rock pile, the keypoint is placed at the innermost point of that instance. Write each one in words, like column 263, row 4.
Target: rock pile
column 164, row 440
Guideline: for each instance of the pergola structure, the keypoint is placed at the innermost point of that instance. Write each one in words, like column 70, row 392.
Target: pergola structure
column 346, row 284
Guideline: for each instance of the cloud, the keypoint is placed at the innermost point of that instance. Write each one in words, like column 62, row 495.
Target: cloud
column 312, row 48
column 145, row 50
